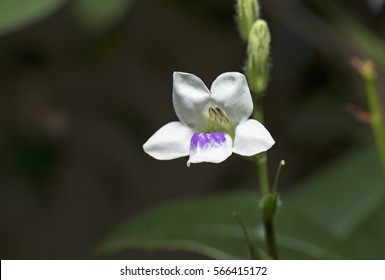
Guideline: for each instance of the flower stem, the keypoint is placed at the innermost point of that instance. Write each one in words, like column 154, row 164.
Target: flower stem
column 261, row 159
column 268, row 200
column 261, row 163
column 270, row 237
column 376, row 118
column 368, row 74
column 258, row 38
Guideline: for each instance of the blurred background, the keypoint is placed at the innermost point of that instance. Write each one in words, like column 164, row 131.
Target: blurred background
column 84, row 83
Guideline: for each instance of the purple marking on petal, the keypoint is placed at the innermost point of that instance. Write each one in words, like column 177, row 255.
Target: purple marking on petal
column 205, row 140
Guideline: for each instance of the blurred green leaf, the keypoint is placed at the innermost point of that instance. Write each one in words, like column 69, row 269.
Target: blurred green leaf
column 16, row 14
column 98, row 16
column 371, row 44
column 337, row 214
column 343, row 195
column 204, row 225
column 341, row 208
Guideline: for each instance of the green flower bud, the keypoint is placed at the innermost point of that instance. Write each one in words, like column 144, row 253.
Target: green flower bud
column 258, row 56
column 248, row 13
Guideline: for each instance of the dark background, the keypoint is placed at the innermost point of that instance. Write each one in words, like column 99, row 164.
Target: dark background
column 77, row 106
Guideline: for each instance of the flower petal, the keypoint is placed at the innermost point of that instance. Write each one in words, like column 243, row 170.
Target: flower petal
column 231, row 92
column 251, row 138
column 190, row 97
column 210, row 147
column 169, row 142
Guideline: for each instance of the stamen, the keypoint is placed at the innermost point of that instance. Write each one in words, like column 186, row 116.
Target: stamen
column 223, row 115
column 218, row 115
column 212, row 114
column 219, row 112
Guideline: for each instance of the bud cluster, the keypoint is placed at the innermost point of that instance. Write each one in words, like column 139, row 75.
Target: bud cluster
column 256, row 33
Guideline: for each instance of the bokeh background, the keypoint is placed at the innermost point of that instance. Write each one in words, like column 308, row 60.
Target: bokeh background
column 84, row 83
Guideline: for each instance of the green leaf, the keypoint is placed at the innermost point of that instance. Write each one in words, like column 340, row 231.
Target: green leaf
column 341, row 208
column 369, row 241
column 343, row 195
column 15, row 14
column 98, row 16
column 371, row 44
column 337, row 214
column 204, row 225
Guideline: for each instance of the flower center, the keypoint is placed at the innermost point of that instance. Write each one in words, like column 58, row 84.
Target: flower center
column 218, row 115
column 218, row 121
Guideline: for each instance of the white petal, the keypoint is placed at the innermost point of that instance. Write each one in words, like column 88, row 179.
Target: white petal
column 251, row 138
column 231, row 92
column 207, row 148
column 190, row 96
column 169, row 142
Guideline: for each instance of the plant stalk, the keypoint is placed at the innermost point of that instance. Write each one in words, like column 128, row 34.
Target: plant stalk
column 268, row 223
column 268, row 215
column 368, row 74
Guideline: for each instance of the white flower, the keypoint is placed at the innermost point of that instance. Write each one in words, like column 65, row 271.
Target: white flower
column 213, row 123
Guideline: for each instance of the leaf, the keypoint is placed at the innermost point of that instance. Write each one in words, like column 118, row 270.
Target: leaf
column 368, row 242
column 343, row 195
column 340, row 209
column 15, row 14
column 204, row 225
column 365, row 39
column 98, row 16
column 337, row 214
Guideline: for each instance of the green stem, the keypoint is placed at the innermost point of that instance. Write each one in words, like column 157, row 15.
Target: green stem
column 268, row 223
column 369, row 76
column 258, row 110
column 261, row 162
column 268, row 215
column 261, row 159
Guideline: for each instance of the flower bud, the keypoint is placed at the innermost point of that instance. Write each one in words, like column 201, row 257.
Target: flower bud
column 248, row 13
column 258, row 56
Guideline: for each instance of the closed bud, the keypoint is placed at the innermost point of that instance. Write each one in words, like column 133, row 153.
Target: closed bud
column 257, row 68
column 248, row 13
